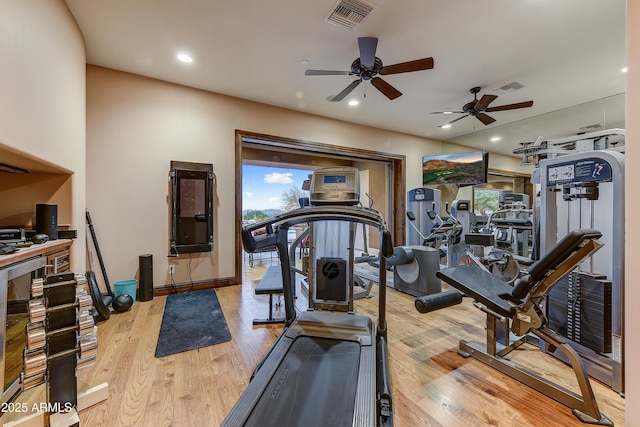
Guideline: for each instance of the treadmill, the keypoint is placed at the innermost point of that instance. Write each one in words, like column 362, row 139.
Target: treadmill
column 327, row 367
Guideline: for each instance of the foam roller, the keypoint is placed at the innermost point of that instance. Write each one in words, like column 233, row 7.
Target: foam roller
column 433, row 302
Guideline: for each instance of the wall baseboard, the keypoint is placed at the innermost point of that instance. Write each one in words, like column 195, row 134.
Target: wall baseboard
column 195, row 286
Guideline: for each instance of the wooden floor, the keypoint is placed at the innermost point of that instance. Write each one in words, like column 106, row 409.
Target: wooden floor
column 432, row 384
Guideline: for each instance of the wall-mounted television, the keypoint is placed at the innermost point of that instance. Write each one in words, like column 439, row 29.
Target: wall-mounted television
column 468, row 168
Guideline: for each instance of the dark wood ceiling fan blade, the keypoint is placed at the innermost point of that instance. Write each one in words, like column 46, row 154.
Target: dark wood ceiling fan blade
column 454, row 120
column 487, row 120
column 326, row 73
column 384, row 87
column 368, row 46
column 485, row 101
column 407, row 67
column 346, row 91
column 510, row 106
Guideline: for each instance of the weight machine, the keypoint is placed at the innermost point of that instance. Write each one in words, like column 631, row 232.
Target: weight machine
column 586, row 190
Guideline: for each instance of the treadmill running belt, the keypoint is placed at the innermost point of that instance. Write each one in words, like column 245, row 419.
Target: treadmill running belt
column 315, row 385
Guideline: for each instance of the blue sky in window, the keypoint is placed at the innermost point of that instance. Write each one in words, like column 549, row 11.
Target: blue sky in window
column 262, row 186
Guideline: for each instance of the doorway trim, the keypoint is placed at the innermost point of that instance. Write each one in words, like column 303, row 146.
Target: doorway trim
column 395, row 162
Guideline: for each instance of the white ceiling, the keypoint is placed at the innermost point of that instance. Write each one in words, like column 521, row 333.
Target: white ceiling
column 567, row 53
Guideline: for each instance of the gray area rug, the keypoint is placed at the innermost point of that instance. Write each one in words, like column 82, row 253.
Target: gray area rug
column 191, row 320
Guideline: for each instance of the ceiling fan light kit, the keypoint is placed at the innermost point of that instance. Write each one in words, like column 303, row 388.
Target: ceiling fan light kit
column 368, row 66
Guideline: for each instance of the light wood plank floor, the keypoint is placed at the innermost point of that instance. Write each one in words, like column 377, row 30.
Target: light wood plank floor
column 432, row 384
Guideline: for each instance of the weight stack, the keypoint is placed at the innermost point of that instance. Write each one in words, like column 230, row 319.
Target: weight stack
column 579, row 308
column 47, row 220
column 145, row 291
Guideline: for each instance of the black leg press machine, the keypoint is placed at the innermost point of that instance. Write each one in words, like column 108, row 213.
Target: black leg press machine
column 519, row 309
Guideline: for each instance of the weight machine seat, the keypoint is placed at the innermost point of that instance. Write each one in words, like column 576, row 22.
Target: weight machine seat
column 477, row 283
column 499, row 296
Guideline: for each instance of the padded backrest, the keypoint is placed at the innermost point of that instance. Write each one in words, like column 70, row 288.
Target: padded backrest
column 552, row 259
column 560, row 251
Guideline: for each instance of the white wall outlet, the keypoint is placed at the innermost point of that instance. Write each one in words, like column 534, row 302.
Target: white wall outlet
column 172, row 268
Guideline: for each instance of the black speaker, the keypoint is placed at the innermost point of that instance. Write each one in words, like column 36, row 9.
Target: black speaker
column 47, row 220
column 145, row 291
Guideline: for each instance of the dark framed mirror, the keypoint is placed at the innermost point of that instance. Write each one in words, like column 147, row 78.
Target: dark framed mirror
column 191, row 208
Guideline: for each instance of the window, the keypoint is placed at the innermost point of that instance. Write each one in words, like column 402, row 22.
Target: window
column 270, row 190
column 485, row 201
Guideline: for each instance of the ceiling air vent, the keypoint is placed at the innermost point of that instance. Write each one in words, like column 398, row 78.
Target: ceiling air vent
column 349, row 13
column 591, row 127
column 508, row 88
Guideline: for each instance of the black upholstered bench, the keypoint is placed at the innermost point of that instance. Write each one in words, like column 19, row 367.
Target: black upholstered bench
column 270, row 284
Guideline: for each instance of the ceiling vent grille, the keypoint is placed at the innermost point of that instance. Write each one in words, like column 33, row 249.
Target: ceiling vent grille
column 349, row 13
column 591, row 127
column 508, row 88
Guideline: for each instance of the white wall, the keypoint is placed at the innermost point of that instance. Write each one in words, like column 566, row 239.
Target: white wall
column 632, row 225
column 137, row 125
column 42, row 95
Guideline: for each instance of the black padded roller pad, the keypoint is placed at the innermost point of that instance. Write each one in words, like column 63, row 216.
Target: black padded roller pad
column 429, row 303
column 401, row 255
column 482, row 286
column 522, row 287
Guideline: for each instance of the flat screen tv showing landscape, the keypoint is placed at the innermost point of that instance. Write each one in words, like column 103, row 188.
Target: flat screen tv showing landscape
column 469, row 168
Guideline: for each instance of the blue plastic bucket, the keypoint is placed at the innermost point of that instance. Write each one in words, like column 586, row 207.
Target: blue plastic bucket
column 125, row 287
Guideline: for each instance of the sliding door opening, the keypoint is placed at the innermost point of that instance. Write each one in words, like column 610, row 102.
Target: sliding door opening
column 270, row 172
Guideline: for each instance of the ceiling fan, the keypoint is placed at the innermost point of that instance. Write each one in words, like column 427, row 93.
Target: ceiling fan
column 368, row 66
column 478, row 108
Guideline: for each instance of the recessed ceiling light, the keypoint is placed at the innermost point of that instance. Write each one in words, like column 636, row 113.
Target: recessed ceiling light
column 495, row 138
column 624, row 70
column 304, row 61
column 184, row 58
column 354, row 102
column 447, row 112
column 447, row 126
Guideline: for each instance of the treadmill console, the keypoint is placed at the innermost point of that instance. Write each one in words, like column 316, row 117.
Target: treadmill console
column 335, row 186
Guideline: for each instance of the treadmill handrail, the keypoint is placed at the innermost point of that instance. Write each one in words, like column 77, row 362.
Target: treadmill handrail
column 276, row 236
column 286, row 220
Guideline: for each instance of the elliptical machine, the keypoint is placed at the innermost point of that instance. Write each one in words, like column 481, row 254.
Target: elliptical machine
column 445, row 233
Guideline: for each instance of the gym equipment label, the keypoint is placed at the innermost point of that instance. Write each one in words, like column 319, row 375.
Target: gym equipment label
column 586, row 170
